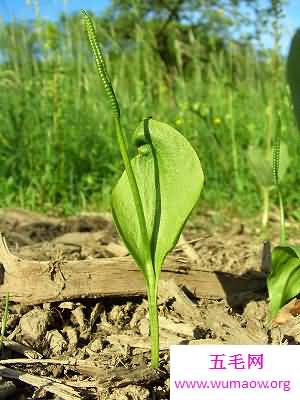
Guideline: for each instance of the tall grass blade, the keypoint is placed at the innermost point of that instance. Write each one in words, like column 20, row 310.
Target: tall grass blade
column 293, row 74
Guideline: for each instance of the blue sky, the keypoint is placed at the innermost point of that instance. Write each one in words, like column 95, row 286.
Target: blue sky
column 22, row 9
column 52, row 8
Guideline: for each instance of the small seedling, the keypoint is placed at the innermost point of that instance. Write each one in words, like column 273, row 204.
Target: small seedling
column 260, row 163
column 156, row 193
column 284, row 280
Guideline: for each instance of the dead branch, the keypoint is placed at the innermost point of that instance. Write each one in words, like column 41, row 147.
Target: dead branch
column 34, row 282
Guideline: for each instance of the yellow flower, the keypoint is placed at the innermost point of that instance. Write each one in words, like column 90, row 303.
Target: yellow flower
column 216, row 121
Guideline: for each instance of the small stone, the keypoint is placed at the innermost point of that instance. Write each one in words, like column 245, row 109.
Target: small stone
column 96, row 345
column 78, row 317
column 67, row 305
column 72, row 335
column 56, row 342
column 34, row 324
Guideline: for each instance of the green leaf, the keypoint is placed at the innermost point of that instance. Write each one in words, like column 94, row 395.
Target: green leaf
column 261, row 166
column 284, row 280
column 293, row 74
column 170, row 178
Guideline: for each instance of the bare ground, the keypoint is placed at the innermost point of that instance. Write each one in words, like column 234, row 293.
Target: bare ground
column 91, row 341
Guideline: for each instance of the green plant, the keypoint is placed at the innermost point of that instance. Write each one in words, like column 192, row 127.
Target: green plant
column 284, row 279
column 260, row 163
column 156, row 193
column 4, row 320
column 261, row 159
column 51, row 153
column 293, row 67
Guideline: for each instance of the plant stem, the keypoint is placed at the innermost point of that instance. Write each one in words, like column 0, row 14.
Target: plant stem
column 149, row 272
column 238, row 183
column 4, row 320
column 122, row 141
column 282, row 219
column 265, row 216
column 234, row 151
column 153, row 321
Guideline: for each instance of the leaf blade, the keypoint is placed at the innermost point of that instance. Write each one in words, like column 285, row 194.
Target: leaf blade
column 293, row 75
column 170, row 179
column 284, row 280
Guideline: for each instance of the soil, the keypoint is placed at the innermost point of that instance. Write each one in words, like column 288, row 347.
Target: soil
column 98, row 348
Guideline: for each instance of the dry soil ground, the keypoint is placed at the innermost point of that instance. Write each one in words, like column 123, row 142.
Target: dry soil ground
column 91, row 341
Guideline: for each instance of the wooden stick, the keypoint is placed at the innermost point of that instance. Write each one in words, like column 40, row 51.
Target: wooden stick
column 34, row 282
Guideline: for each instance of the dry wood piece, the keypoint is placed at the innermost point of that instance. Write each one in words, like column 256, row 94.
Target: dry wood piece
column 114, row 377
column 119, row 377
column 21, row 349
column 182, row 305
column 46, row 384
column 34, row 282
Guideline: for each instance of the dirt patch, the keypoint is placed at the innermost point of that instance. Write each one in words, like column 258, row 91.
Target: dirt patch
column 98, row 348
column 22, row 227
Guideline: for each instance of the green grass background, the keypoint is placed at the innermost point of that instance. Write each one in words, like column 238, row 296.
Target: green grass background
column 58, row 148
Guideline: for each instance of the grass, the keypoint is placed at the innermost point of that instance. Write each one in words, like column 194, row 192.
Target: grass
column 4, row 320
column 57, row 147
